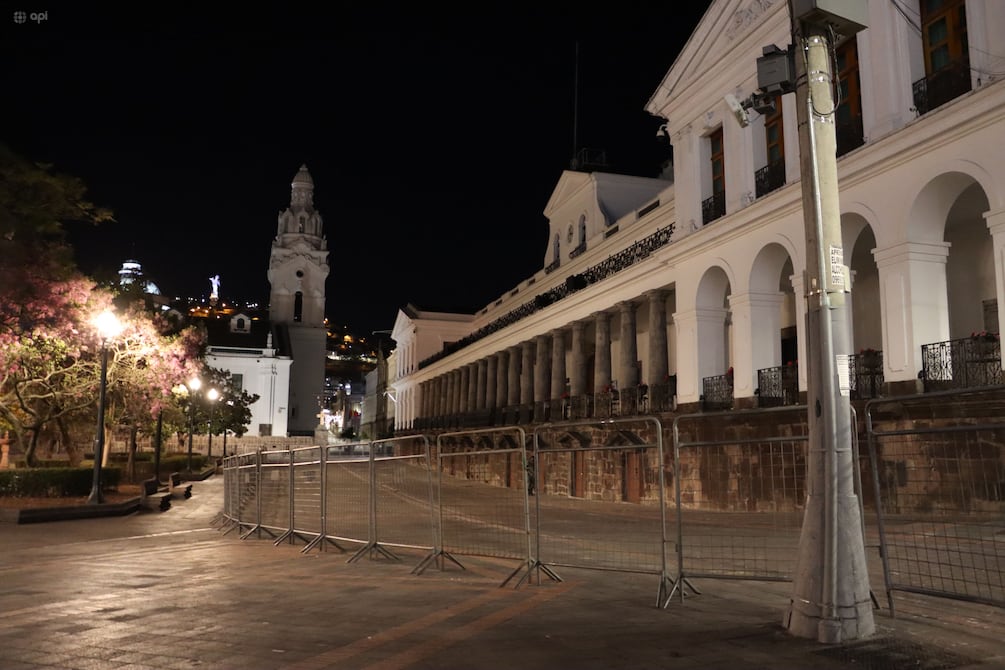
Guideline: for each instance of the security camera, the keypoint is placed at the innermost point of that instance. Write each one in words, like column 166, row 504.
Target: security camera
column 738, row 111
column 662, row 131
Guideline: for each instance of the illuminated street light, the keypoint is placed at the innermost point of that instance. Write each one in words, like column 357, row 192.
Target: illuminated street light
column 108, row 326
column 212, row 396
column 193, row 385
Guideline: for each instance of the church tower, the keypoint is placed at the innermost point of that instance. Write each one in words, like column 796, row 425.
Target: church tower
column 298, row 267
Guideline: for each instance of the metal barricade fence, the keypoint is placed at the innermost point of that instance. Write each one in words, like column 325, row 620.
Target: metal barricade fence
column 600, row 497
column 305, row 495
column 482, row 495
column 938, row 474
column 402, row 509
column 245, row 490
column 347, row 493
column 739, row 500
column 274, row 492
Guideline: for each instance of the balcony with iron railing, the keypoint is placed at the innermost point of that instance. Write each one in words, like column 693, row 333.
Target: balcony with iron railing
column 717, row 392
column 867, row 374
column 778, row 386
column 942, row 86
column 769, row 178
column 968, row 362
column 713, row 208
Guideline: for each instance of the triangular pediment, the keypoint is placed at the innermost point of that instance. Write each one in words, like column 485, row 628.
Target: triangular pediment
column 570, row 185
column 720, row 57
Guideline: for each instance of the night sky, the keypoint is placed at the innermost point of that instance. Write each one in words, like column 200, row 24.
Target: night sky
column 435, row 137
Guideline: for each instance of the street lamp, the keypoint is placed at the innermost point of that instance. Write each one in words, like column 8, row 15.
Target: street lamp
column 193, row 385
column 211, row 395
column 108, row 326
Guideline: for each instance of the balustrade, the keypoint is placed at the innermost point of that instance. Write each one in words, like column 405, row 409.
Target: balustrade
column 968, row 362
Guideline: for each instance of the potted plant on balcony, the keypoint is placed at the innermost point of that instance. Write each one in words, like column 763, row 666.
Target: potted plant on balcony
column 870, row 359
column 984, row 343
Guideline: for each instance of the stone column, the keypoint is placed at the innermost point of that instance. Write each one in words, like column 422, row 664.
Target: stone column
column 481, row 384
column 996, row 224
column 472, row 369
column 701, row 350
column 491, row 365
column 659, row 363
column 542, row 376
column 602, row 357
column 914, row 304
column 527, row 374
column 628, row 371
column 465, row 385
column 450, row 399
column 757, row 325
column 557, row 363
column 502, row 377
column 577, row 374
column 514, row 356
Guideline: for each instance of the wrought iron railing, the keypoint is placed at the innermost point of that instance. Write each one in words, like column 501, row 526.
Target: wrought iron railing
column 717, row 392
column 769, row 178
column 778, row 386
column 867, row 374
column 713, row 208
column 942, row 86
column 625, row 258
column 968, row 362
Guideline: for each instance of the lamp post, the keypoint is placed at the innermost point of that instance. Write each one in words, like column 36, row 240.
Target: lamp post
column 193, row 385
column 108, row 327
column 212, row 396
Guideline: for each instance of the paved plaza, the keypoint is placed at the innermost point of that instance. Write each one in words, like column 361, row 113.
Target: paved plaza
column 173, row 590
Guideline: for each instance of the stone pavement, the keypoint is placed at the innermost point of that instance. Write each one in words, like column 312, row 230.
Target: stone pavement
column 171, row 590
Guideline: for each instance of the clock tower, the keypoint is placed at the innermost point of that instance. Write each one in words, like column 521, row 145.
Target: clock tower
column 298, row 268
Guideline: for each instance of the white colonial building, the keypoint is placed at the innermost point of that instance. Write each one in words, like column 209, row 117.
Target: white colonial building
column 695, row 285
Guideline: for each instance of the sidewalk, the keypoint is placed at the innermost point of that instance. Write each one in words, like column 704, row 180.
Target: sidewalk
column 169, row 590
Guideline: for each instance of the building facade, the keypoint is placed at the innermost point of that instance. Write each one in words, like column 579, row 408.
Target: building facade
column 657, row 293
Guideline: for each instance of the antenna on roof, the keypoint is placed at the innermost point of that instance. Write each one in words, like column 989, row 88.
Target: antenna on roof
column 575, row 111
column 583, row 159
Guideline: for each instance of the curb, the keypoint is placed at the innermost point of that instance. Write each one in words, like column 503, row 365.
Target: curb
column 45, row 514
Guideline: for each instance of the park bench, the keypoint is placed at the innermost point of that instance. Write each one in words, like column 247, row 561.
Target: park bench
column 178, row 488
column 153, row 498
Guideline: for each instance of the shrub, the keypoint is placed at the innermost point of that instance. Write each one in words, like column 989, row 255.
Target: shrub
column 54, row 482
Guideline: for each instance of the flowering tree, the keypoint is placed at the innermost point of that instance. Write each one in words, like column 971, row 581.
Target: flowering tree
column 146, row 361
column 50, row 352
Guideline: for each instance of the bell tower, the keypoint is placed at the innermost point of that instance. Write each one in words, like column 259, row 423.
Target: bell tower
column 298, row 265
column 298, row 268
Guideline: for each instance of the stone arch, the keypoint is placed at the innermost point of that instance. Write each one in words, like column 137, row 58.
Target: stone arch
column 713, row 321
column 948, row 210
column 766, row 332
column 859, row 241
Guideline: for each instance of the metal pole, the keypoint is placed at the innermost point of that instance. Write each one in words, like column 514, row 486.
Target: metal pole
column 191, row 427
column 209, row 431
column 157, row 446
column 96, row 496
column 831, row 601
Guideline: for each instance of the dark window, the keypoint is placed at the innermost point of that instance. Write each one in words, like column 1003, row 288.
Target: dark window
column 298, row 307
column 715, row 207
column 947, row 58
column 718, row 162
column 849, row 104
column 772, row 175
